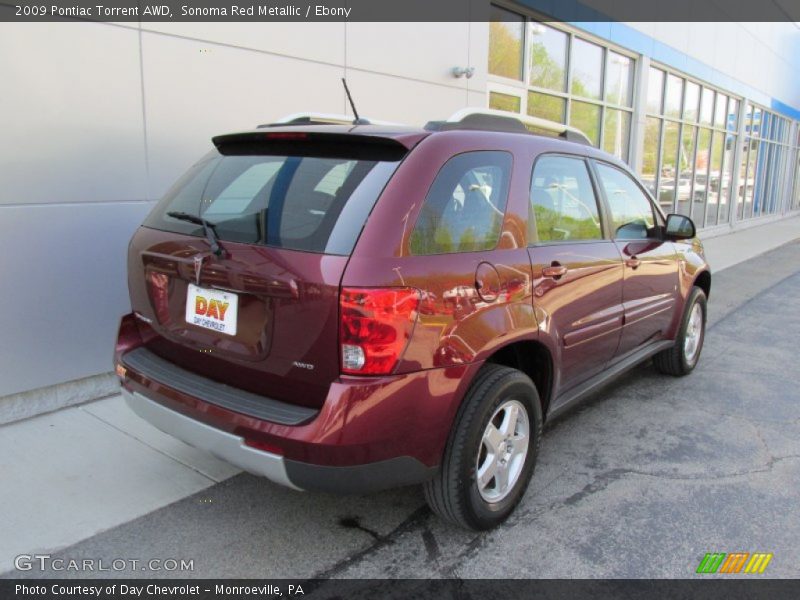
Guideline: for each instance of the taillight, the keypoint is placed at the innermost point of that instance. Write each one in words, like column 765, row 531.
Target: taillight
column 158, row 284
column 376, row 324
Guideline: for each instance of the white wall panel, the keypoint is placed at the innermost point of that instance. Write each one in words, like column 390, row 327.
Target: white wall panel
column 71, row 117
column 64, row 279
column 406, row 101
column 759, row 55
column 308, row 40
column 194, row 91
column 427, row 51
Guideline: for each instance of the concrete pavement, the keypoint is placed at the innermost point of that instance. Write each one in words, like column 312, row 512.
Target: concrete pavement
column 685, row 465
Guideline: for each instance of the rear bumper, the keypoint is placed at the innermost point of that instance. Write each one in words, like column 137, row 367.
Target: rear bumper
column 371, row 433
column 394, row 472
column 228, row 447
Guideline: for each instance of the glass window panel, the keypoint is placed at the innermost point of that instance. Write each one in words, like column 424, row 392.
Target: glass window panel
column 505, row 102
column 505, row 43
column 783, row 131
column 776, row 182
column 686, row 169
column 546, row 106
column 619, row 79
column 655, row 91
column 463, row 211
column 616, row 132
column 650, row 157
column 548, row 54
column 761, row 170
column 796, row 203
column 765, row 130
column 716, row 181
column 691, row 101
column 719, row 110
column 750, row 181
column 733, row 115
column 586, row 117
column 741, row 181
column 672, row 100
column 666, row 183
column 563, row 201
column 730, row 179
column 700, row 185
column 755, row 122
column 631, row 212
column 707, row 107
column 748, row 119
column 587, row 69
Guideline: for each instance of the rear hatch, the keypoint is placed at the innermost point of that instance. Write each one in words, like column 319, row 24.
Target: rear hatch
column 286, row 208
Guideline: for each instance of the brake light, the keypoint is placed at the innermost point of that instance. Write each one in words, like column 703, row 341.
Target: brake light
column 375, row 327
column 286, row 135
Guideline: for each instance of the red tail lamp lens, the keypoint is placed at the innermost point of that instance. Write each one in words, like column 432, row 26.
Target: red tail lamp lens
column 376, row 325
column 158, row 284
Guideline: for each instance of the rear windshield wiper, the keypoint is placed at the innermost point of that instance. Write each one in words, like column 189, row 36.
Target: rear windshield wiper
column 209, row 228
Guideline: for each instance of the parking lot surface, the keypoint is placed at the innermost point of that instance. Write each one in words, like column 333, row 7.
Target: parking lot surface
column 640, row 481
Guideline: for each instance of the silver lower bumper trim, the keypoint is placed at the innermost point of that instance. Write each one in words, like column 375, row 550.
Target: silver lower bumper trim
column 223, row 445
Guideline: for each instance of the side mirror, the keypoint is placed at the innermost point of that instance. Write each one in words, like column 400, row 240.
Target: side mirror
column 679, row 227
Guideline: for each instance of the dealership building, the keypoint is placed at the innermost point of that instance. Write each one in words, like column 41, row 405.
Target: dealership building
column 99, row 119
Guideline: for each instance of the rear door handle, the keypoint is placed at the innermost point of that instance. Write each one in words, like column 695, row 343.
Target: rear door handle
column 633, row 262
column 554, row 271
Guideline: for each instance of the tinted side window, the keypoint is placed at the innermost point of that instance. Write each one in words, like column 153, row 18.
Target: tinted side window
column 631, row 212
column 563, row 203
column 463, row 211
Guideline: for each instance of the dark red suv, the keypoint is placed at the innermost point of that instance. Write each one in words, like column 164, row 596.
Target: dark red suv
column 354, row 307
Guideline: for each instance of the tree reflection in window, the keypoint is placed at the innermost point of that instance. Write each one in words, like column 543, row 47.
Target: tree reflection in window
column 563, row 202
column 631, row 211
column 464, row 209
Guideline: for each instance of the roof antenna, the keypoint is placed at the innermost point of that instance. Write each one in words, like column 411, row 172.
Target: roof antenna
column 358, row 120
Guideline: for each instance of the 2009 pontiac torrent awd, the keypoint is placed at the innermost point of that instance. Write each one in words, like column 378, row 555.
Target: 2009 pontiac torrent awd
column 354, row 307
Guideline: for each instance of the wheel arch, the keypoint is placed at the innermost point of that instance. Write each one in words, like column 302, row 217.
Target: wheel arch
column 532, row 358
column 703, row 281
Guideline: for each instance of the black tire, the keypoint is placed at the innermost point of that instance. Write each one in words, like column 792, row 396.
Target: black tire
column 673, row 361
column 453, row 493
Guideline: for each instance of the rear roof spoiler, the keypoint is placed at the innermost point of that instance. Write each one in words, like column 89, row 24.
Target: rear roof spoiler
column 333, row 144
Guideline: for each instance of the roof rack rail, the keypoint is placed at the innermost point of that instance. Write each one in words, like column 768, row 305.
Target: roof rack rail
column 497, row 120
column 317, row 118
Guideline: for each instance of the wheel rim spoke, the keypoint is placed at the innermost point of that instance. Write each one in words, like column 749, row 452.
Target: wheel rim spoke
column 501, row 480
column 493, row 438
column 509, row 426
column 487, row 472
column 503, row 451
column 694, row 333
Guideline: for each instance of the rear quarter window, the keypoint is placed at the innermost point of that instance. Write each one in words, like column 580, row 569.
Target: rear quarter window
column 464, row 208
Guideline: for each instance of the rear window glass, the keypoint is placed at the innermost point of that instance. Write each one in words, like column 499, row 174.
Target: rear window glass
column 309, row 203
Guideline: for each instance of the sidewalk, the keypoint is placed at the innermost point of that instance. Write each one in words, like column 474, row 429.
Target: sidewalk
column 723, row 251
column 73, row 473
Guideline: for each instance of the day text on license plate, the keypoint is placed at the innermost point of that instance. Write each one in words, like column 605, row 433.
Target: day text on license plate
column 212, row 309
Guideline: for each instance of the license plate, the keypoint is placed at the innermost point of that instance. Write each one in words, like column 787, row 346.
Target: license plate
column 212, row 309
